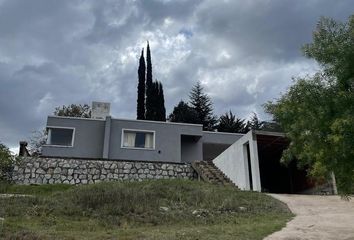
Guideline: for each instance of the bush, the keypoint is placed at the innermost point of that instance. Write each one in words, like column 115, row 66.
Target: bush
column 6, row 162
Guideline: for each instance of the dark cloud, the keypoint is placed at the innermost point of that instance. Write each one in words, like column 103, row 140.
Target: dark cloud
column 61, row 52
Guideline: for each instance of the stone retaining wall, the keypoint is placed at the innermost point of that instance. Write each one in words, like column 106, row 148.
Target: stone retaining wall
column 32, row 170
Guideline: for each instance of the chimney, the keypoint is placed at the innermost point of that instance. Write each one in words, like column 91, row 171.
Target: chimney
column 23, row 150
column 100, row 110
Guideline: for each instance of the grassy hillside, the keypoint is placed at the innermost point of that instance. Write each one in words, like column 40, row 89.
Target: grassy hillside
column 163, row 209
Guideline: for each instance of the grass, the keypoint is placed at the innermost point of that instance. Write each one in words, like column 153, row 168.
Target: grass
column 32, row 189
column 160, row 209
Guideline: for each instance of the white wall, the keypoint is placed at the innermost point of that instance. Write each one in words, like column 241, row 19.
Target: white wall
column 233, row 162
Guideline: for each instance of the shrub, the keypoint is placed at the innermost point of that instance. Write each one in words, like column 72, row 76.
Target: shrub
column 6, row 162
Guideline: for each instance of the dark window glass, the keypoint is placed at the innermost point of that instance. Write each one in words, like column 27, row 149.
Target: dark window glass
column 61, row 136
column 140, row 140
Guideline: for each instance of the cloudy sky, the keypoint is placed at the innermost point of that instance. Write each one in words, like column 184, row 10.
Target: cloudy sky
column 61, row 52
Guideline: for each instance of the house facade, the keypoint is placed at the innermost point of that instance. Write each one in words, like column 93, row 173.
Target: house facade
column 251, row 161
column 139, row 140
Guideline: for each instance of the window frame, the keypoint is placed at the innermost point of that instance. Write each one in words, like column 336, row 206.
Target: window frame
column 138, row 130
column 59, row 127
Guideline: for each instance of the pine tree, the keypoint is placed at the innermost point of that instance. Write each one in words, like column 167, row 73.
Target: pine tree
column 203, row 105
column 149, row 114
column 255, row 123
column 141, row 88
column 229, row 123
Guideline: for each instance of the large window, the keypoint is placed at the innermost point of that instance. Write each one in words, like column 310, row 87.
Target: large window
column 138, row 139
column 60, row 136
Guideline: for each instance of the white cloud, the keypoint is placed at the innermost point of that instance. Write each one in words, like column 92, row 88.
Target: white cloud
column 62, row 52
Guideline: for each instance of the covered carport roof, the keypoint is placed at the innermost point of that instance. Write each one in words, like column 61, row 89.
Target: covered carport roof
column 271, row 138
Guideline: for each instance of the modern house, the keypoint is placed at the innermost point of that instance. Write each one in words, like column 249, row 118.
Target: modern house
column 139, row 140
column 251, row 161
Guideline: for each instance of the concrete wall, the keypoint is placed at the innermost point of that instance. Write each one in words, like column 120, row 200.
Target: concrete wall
column 102, row 139
column 88, row 140
column 32, row 170
column 234, row 164
column 214, row 143
column 221, row 137
column 191, row 149
column 167, row 140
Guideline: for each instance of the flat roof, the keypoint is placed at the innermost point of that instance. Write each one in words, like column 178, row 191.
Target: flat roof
column 224, row 133
column 268, row 133
column 131, row 120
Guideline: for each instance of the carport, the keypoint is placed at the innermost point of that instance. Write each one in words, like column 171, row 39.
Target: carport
column 253, row 163
column 276, row 177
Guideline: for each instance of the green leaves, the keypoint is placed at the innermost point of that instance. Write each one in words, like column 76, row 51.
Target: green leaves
column 317, row 113
column 6, row 161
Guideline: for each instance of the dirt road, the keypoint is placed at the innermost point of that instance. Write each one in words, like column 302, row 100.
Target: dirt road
column 317, row 217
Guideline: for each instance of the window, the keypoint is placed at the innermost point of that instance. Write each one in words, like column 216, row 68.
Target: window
column 60, row 136
column 138, row 139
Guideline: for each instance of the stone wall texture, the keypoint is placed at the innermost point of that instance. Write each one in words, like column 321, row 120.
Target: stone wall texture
column 34, row 170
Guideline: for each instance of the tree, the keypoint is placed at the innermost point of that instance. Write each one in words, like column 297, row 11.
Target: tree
column 255, row 123
column 6, row 162
column 271, row 126
column 74, row 110
column 183, row 113
column 229, row 123
column 155, row 102
column 317, row 113
column 161, row 110
column 37, row 140
column 141, row 88
column 157, row 110
column 203, row 105
column 149, row 111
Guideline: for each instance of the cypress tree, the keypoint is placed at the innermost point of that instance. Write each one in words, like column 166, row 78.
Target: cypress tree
column 141, row 88
column 161, row 110
column 149, row 115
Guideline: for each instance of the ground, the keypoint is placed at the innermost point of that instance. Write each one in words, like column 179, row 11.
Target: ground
column 317, row 217
column 160, row 209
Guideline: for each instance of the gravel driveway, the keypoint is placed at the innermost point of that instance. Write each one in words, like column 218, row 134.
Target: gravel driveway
column 317, row 217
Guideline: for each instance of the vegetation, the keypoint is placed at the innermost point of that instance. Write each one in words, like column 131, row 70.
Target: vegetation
column 229, row 123
column 203, row 106
column 317, row 113
column 157, row 112
column 6, row 161
column 163, row 209
column 255, row 123
column 183, row 113
column 74, row 110
column 38, row 190
column 141, row 88
column 39, row 138
column 151, row 101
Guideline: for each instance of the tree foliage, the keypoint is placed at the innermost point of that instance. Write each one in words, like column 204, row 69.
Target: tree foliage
column 203, row 106
column 183, row 113
column 74, row 110
column 154, row 101
column 228, row 122
column 255, row 123
column 317, row 113
column 37, row 140
column 150, row 89
column 141, row 88
column 157, row 111
column 6, row 162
